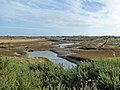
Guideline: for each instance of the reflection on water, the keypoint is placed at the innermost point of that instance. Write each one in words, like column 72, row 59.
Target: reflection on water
column 64, row 45
column 52, row 57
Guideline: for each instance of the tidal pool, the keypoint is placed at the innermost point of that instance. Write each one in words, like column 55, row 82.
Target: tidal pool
column 52, row 57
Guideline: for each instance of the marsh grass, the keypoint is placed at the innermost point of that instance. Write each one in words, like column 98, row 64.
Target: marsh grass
column 3, row 41
column 21, row 74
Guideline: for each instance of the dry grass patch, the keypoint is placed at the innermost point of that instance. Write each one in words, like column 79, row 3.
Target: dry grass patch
column 20, row 40
column 93, row 53
column 12, row 52
column 30, row 60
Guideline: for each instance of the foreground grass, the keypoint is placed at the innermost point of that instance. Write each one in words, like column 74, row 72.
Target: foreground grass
column 18, row 74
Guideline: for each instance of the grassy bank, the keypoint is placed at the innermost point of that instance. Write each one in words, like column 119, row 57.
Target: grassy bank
column 25, row 74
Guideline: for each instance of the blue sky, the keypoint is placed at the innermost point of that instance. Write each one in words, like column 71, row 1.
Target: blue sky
column 59, row 17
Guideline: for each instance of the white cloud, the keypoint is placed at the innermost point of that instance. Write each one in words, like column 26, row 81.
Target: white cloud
column 48, row 12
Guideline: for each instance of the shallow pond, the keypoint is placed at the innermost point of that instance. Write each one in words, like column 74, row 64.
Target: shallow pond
column 52, row 57
column 63, row 45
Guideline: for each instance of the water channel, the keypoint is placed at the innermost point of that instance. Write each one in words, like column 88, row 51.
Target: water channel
column 52, row 57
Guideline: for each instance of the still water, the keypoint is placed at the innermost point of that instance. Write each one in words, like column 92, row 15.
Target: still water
column 52, row 57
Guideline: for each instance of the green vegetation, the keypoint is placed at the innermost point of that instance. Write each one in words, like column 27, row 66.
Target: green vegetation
column 23, row 75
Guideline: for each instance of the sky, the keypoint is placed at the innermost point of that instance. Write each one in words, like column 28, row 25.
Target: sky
column 59, row 17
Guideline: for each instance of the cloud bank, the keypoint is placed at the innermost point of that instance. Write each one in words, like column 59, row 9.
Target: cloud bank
column 63, row 13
